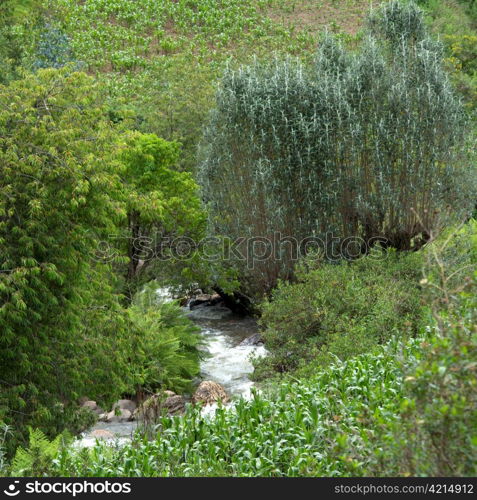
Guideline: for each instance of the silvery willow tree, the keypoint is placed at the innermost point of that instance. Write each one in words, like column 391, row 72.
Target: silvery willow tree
column 368, row 144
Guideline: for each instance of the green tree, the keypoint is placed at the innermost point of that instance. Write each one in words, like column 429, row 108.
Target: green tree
column 369, row 143
column 163, row 208
column 57, row 185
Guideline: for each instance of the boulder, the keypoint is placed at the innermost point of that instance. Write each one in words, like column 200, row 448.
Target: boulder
column 110, row 417
column 125, row 416
column 102, row 434
column 209, row 392
column 255, row 339
column 125, row 404
column 92, row 406
column 205, row 300
column 118, row 416
column 165, row 403
column 174, row 405
column 215, row 299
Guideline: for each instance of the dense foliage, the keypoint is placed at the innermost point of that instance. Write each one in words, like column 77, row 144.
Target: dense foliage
column 163, row 347
column 456, row 23
column 60, row 315
column 406, row 408
column 371, row 347
column 367, row 144
column 17, row 17
column 56, row 171
column 163, row 208
column 341, row 310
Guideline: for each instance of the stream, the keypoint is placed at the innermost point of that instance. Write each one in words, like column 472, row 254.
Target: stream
column 227, row 363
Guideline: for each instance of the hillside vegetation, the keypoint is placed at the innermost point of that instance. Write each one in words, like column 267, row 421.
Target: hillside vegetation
column 155, row 143
column 146, row 44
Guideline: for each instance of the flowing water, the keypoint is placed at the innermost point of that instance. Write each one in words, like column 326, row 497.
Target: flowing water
column 226, row 362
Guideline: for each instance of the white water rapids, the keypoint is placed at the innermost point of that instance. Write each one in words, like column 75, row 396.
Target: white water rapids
column 227, row 362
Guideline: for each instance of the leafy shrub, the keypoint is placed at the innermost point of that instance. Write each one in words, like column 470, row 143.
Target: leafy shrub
column 462, row 56
column 53, row 50
column 365, row 144
column 340, row 310
column 164, row 345
column 436, row 433
column 37, row 459
column 436, row 430
column 58, row 183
